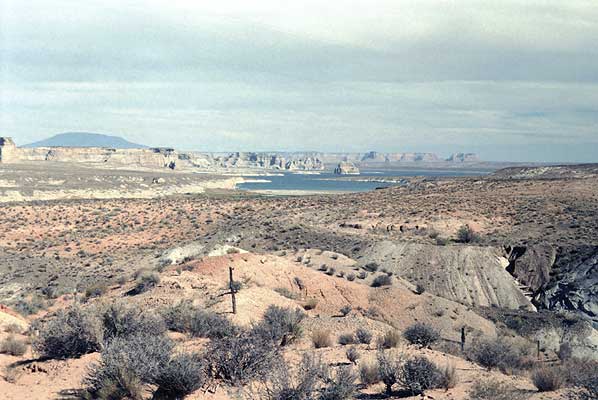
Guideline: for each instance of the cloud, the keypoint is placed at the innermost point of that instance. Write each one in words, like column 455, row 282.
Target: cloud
column 337, row 75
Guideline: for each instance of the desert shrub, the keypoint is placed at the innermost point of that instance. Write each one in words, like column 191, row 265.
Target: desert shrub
column 448, row 377
column 145, row 281
column 280, row 386
column 208, row 324
column 13, row 328
column 421, row 334
column 178, row 316
column 241, row 358
column 187, row 318
column 492, row 390
column 440, row 241
column 381, row 280
column 390, row 339
column 13, row 346
column 345, row 339
column 419, row 374
column 341, row 386
column 118, row 383
column 126, row 364
column 467, row 235
column 120, row 321
column 352, row 355
column 419, row 288
column 235, row 285
column 51, row 292
column 96, row 290
column 321, row 338
column 488, row 354
column 289, row 294
column 281, row 325
column 565, row 351
column 362, row 275
column 70, row 333
column 180, row 376
column 497, row 353
column 351, row 277
column 583, row 374
column 330, row 271
column 29, row 306
column 547, row 379
column 345, row 310
column 514, row 322
column 311, row 303
column 371, row 267
column 389, row 370
column 363, row 335
column 368, row 373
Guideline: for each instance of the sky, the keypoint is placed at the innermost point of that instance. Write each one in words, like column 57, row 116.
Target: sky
column 513, row 80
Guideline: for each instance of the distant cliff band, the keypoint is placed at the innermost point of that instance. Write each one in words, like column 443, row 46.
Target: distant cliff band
column 173, row 159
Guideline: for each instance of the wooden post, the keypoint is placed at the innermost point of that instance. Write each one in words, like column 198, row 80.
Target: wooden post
column 538, row 346
column 232, row 289
column 462, row 339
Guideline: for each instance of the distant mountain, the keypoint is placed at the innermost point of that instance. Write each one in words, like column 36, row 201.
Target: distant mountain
column 85, row 139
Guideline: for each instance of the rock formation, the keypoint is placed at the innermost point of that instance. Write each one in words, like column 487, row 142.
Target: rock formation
column 375, row 157
column 465, row 274
column 346, row 168
column 170, row 158
column 155, row 158
column 278, row 161
column 560, row 277
column 8, row 150
column 463, row 158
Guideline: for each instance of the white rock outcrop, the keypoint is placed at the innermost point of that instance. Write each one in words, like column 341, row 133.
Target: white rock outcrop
column 346, row 168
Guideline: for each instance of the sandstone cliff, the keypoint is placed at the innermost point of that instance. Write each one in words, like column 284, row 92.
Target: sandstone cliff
column 169, row 158
column 463, row 158
column 346, row 168
column 8, row 150
column 156, row 158
column 375, row 157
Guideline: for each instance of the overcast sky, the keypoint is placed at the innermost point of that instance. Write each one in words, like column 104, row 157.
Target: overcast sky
column 511, row 80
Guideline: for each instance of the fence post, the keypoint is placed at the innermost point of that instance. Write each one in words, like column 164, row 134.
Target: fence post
column 232, row 288
column 462, row 339
column 538, row 348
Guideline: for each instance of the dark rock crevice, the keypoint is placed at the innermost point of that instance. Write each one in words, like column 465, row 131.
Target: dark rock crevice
column 531, row 265
column 561, row 279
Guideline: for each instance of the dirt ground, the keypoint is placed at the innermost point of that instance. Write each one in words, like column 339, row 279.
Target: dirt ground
column 287, row 251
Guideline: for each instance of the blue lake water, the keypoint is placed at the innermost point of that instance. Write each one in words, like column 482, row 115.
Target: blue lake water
column 329, row 182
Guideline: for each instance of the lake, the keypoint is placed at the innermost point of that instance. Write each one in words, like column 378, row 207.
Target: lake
column 329, row 182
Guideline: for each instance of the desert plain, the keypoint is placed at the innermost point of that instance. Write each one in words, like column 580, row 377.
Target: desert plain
column 508, row 258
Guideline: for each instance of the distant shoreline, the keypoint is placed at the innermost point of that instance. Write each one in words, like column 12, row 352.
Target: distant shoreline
column 297, row 192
